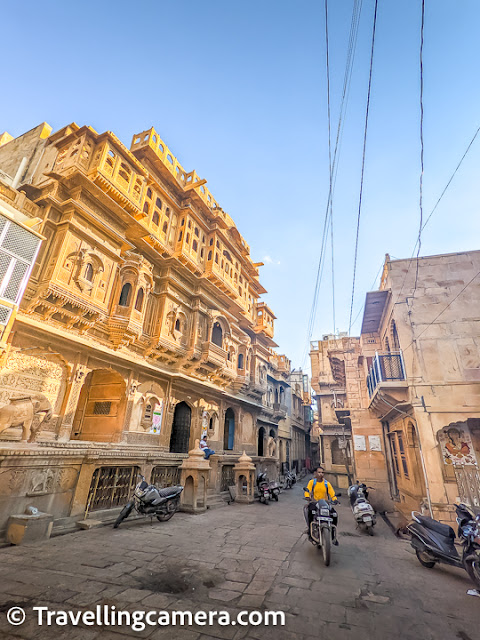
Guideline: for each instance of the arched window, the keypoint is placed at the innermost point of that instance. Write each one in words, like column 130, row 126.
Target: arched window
column 139, row 300
column 180, row 235
column 165, row 227
column 156, row 218
column 158, row 203
column 149, row 193
column 125, row 295
column 194, row 245
column 88, row 275
column 217, row 334
column 240, row 360
column 178, row 325
column 209, row 257
column 146, row 208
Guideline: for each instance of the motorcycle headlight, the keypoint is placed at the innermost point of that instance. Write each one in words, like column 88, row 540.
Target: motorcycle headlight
column 324, row 511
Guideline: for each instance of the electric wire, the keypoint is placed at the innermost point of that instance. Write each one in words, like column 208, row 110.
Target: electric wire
column 420, row 227
column 330, row 168
column 363, row 163
column 352, row 43
column 442, row 311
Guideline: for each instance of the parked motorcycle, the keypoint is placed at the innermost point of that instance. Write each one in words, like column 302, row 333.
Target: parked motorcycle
column 322, row 530
column 289, row 480
column 435, row 542
column 363, row 511
column 149, row 500
column 267, row 490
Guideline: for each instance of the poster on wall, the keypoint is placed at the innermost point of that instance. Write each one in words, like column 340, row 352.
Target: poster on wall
column 204, row 423
column 457, row 447
column 359, row 443
column 374, row 443
column 157, row 418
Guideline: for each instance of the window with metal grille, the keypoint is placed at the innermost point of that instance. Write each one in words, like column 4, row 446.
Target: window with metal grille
column 165, row 476
column 111, row 487
column 14, row 284
column 101, row 408
column 20, row 242
column 227, row 477
column 4, row 314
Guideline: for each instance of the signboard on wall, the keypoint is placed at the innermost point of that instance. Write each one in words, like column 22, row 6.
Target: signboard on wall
column 359, row 443
column 374, row 443
column 157, row 417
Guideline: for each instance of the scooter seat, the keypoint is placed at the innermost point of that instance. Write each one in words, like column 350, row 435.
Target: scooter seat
column 443, row 529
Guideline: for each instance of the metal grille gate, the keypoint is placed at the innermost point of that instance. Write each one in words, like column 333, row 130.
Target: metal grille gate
column 468, row 481
column 227, row 479
column 111, row 487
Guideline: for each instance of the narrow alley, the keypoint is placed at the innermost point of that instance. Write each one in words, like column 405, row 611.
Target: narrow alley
column 240, row 557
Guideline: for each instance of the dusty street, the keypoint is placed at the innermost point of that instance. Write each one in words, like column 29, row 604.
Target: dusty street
column 235, row 558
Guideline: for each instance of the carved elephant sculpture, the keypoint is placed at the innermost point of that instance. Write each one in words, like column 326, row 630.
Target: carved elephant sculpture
column 19, row 412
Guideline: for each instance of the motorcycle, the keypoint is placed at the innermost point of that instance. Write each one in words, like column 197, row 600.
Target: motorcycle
column 149, row 500
column 322, row 530
column 289, row 480
column 267, row 490
column 435, row 542
column 362, row 510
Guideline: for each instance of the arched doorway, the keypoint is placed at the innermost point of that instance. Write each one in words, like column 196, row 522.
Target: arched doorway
column 180, row 438
column 261, row 441
column 101, row 407
column 229, row 430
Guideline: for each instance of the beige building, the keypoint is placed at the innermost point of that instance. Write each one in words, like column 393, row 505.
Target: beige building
column 336, row 386
column 416, row 373
column 140, row 328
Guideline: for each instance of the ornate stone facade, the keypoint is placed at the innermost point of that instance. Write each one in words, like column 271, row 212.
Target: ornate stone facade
column 141, row 322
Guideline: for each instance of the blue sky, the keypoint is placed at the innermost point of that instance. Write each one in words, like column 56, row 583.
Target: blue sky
column 238, row 92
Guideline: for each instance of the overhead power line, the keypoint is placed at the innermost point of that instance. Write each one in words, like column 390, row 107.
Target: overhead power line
column 363, row 162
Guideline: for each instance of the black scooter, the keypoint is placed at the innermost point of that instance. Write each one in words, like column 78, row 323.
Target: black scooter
column 435, row 542
column 267, row 490
column 149, row 500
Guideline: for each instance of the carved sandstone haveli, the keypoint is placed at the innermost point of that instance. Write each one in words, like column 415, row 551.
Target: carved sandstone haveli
column 141, row 323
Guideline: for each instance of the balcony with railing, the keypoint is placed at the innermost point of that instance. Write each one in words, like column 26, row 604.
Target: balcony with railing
column 386, row 381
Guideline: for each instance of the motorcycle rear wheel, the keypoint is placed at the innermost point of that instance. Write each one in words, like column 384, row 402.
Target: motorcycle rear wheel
column 275, row 497
column 326, row 546
column 172, row 508
column 370, row 529
column 472, row 565
column 422, row 558
column 124, row 513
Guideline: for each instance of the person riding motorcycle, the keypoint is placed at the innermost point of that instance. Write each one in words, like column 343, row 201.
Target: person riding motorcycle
column 319, row 489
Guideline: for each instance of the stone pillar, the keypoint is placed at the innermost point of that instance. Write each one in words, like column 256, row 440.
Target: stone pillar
column 244, row 479
column 194, row 472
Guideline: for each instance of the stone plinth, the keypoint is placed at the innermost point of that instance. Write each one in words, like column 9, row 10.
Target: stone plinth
column 244, row 479
column 194, row 472
column 29, row 527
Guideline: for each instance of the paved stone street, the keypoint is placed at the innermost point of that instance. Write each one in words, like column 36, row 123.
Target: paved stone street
column 234, row 558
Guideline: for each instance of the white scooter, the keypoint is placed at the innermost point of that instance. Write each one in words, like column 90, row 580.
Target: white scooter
column 363, row 511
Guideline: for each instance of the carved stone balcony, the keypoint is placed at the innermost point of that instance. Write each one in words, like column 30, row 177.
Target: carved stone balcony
column 213, row 356
column 279, row 409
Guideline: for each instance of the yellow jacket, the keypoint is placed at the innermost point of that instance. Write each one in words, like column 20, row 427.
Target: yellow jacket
column 320, row 491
